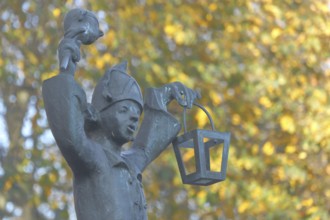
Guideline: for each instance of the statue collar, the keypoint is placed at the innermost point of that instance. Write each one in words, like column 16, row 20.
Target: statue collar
column 114, row 159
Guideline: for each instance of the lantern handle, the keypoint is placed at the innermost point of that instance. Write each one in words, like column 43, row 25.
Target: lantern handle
column 201, row 107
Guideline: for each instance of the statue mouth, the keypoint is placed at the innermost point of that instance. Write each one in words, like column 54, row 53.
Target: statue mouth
column 131, row 128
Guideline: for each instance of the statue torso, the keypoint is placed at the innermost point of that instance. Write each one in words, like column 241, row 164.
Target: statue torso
column 112, row 191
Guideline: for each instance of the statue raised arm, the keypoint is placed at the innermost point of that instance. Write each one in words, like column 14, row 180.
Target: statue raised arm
column 65, row 101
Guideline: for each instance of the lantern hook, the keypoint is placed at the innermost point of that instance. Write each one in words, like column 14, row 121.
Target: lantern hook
column 201, row 107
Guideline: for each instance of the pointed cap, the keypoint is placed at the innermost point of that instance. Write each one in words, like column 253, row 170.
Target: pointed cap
column 116, row 85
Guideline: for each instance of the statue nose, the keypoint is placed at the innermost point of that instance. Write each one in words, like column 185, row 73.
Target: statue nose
column 134, row 117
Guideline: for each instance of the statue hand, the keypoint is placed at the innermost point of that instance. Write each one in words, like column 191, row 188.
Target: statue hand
column 184, row 95
column 69, row 54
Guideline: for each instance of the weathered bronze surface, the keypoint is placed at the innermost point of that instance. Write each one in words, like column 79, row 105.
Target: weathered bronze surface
column 107, row 181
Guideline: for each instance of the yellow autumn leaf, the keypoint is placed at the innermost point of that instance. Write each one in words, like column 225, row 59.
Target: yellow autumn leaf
column 179, row 37
column 274, row 10
column 243, row 206
column 257, row 111
column 47, row 191
column 327, row 193
column 48, row 75
column 296, row 93
column 32, row 58
column 307, row 202
column 150, row 78
column 182, row 77
column 327, row 169
column 172, row 29
column 56, row 12
column 320, row 96
column 215, row 97
column 236, row 119
column 169, row 29
column 314, row 127
column 156, row 68
column 312, row 210
column 20, row 64
column 254, row 50
column 202, row 118
column 23, row 97
column 280, row 173
column 323, row 7
column 290, row 149
column 188, row 155
column 229, row 29
column 212, row 46
column 172, row 71
column 287, row 124
column 201, row 196
column 107, row 58
column 209, row 17
column 53, row 205
column 264, row 101
column 275, row 33
column 213, row 6
column 302, row 155
column 268, row 148
column 7, row 185
column 255, row 149
column 221, row 192
column 52, row 177
column 100, row 63
column 266, row 39
column 109, row 36
column 256, row 192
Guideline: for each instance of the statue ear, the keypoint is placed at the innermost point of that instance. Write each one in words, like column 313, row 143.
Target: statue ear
column 92, row 117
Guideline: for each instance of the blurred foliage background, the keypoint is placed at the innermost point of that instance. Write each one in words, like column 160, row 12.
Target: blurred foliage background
column 263, row 68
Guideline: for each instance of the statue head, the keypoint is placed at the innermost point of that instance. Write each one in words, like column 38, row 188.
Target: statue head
column 82, row 25
column 118, row 102
column 116, row 85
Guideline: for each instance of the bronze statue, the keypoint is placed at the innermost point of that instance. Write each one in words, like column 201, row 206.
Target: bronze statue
column 107, row 181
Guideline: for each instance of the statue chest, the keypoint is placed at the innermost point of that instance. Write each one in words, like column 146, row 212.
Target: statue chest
column 114, row 192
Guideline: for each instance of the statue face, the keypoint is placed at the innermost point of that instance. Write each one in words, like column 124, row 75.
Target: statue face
column 92, row 31
column 120, row 121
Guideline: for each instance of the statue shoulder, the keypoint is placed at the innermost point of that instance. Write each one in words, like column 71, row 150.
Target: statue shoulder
column 61, row 86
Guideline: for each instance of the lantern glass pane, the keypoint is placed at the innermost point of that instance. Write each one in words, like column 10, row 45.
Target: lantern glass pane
column 213, row 154
column 188, row 157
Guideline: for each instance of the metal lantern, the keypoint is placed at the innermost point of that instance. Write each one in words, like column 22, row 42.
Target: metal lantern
column 200, row 144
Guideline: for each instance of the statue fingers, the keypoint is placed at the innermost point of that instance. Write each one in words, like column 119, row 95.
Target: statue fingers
column 71, row 45
column 68, row 50
column 190, row 97
column 178, row 94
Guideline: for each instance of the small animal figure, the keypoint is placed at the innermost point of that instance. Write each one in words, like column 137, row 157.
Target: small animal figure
column 80, row 27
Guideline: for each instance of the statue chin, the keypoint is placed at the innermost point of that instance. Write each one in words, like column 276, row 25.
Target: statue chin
column 121, row 140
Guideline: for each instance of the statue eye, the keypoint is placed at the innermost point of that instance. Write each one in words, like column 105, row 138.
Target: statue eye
column 123, row 109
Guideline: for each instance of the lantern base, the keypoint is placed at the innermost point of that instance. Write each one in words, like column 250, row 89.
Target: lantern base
column 203, row 180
